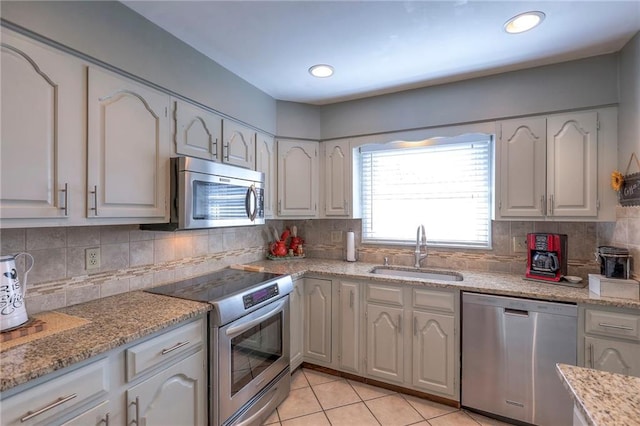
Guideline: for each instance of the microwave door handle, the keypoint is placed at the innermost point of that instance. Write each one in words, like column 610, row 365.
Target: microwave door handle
column 251, row 193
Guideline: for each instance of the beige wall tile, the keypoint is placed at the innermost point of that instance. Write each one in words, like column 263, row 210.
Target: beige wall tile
column 76, row 262
column 83, row 236
column 82, row 294
column 46, row 238
column 114, row 256
column 49, row 265
column 111, row 287
column 13, row 241
column 164, row 250
column 141, row 252
column 45, row 302
column 140, row 282
column 116, row 234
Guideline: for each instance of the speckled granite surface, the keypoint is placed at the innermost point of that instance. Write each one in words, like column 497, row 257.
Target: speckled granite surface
column 603, row 398
column 484, row 282
column 114, row 321
column 123, row 318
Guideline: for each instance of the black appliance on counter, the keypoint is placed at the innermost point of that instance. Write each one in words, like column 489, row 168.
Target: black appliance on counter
column 249, row 352
column 615, row 262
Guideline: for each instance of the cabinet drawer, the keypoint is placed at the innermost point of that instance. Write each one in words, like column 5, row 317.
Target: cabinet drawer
column 385, row 294
column 43, row 403
column 144, row 356
column 433, row 299
column 612, row 324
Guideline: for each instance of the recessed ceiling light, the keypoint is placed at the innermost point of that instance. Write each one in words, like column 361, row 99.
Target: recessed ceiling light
column 524, row 22
column 321, row 70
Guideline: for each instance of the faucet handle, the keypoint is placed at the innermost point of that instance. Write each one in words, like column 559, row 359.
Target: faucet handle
column 386, row 261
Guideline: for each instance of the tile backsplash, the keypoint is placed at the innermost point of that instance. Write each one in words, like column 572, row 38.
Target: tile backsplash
column 132, row 259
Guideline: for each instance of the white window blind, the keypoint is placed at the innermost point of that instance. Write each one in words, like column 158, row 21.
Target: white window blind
column 444, row 184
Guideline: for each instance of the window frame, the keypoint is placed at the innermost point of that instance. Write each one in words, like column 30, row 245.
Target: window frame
column 483, row 136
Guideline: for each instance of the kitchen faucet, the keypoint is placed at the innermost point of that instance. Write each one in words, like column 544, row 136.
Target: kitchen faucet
column 421, row 241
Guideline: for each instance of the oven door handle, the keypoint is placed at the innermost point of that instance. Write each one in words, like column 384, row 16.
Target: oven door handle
column 267, row 407
column 241, row 328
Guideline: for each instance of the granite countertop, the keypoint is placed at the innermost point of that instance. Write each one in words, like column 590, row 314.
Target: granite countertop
column 117, row 320
column 603, row 398
column 483, row 282
column 113, row 322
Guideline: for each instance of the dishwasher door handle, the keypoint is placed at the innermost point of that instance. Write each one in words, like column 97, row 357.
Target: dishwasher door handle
column 518, row 312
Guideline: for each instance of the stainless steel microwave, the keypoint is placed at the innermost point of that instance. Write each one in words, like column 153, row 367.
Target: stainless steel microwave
column 206, row 194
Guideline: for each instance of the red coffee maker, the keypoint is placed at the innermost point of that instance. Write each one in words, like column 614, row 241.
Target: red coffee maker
column 546, row 256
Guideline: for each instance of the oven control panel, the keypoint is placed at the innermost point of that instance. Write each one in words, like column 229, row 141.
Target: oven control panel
column 260, row 296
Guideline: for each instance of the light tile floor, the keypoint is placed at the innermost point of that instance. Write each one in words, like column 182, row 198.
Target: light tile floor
column 319, row 399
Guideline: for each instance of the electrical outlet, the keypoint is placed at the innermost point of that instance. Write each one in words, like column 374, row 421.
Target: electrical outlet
column 92, row 258
column 519, row 244
column 336, row 236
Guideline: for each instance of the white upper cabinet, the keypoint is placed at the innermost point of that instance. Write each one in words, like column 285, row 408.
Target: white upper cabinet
column 297, row 178
column 266, row 162
column 197, row 132
column 128, row 149
column 239, row 145
column 523, row 167
column 337, row 178
column 42, row 161
column 572, row 164
column 557, row 167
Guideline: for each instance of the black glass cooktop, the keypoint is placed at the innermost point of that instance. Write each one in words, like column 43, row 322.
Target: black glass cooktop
column 215, row 286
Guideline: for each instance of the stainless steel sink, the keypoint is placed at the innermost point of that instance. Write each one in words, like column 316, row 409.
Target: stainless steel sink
column 425, row 274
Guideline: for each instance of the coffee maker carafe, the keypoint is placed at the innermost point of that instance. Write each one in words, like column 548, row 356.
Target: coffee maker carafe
column 546, row 256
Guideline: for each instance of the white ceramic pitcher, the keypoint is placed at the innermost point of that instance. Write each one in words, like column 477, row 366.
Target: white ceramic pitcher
column 12, row 308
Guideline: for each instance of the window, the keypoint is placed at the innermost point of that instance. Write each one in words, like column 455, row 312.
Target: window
column 445, row 184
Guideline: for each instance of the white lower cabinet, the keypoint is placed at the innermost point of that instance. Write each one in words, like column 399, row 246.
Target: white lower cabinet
column 433, row 352
column 349, row 326
column 318, row 319
column 170, row 389
column 401, row 335
column 296, row 315
column 175, row 396
column 385, row 342
column 612, row 340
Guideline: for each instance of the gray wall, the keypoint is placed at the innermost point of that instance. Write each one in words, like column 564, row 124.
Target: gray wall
column 113, row 33
column 297, row 120
column 629, row 111
column 571, row 85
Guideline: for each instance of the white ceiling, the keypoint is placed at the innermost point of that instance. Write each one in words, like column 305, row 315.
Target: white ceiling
column 384, row 46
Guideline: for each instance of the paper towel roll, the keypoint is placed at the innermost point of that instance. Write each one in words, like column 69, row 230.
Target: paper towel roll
column 351, row 247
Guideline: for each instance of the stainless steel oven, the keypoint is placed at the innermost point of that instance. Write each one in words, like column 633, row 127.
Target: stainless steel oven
column 252, row 352
column 249, row 373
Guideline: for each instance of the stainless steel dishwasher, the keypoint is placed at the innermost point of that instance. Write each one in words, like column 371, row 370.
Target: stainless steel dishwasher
column 510, row 348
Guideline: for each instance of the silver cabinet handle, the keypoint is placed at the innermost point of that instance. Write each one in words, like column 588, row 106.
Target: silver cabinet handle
column 105, row 420
column 65, row 208
column 214, row 148
column 54, row 404
column 617, row 327
column 591, row 361
column 279, row 206
column 399, row 324
column 543, row 207
column 551, row 204
column 225, row 151
column 351, row 299
column 95, row 199
column 174, row 347
column 137, row 404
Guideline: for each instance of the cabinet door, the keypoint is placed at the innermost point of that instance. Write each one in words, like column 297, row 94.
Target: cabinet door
column 297, row 178
column 337, row 170
column 613, row 356
column 433, row 352
column 296, row 313
column 572, row 164
column 197, row 132
column 41, row 166
column 522, row 167
column 317, row 310
column 385, row 343
column 266, row 163
column 128, row 148
column 239, row 145
column 175, row 396
column 349, row 326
